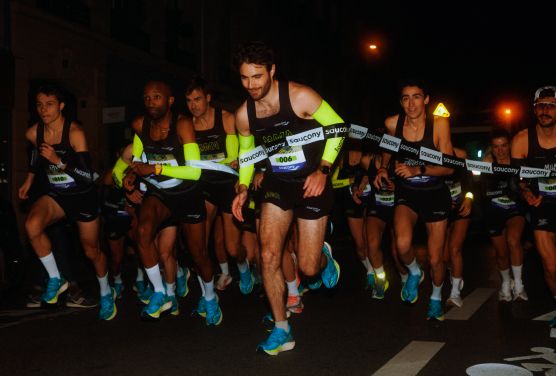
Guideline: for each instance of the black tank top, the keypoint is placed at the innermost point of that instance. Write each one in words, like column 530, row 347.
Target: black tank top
column 541, row 158
column 454, row 183
column 497, row 190
column 168, row 151
column 59, row 181
column 421, row 181
column 212, row 144
column 285, row 162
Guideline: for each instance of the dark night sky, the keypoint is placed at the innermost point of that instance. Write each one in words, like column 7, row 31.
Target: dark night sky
column 475, row 55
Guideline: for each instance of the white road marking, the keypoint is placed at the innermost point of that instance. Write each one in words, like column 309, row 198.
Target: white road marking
column 546, row 317
column 411, row 359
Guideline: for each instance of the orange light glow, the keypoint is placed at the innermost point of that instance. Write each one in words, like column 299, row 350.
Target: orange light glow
column 372, row 46
column 508, row 111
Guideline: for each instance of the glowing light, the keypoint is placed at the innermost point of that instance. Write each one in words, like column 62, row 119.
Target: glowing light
column 479, row 154
column 476, row 173
column 372, row 46
column 441, row 110
column 508, row 111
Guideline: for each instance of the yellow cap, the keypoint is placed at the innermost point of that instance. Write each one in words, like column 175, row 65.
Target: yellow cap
column 441, row 110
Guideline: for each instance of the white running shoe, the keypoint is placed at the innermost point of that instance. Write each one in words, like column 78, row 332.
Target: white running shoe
column 518, row 291
column 223, row 281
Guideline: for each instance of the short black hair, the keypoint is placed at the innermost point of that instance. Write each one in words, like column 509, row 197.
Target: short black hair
column 197, row 83
column 413, row 81
column 499, row 132
column 254, row 52
column 160, row 80
column 52, row 90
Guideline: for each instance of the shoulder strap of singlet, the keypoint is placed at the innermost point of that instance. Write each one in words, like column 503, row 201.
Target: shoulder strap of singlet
column 146, row 128
column 65, row 133
column 40, row 133
column 284, row 97
column 218, row 123
column 399, row 126
column 251, row 112
column 532, row 141
column 429, row 129
column 173, row 126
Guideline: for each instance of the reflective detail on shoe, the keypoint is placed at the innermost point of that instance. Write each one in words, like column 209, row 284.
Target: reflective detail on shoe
column 435, row 311
column 519, row 293
column 158, row 303
column 370, row 281
column 223, row 281
column 213, row 312
column 410, row 289
column 294, row 304
column 302, row 287
column 118, row 287
column 175, row 308
column 201, row 309
column 246, row 282
column 381, row 285
column 331, row 272
column 108, row 308
column 279, row 340
column 182, row 288
column 455, row 301
column 54, row 288
column 78, row 300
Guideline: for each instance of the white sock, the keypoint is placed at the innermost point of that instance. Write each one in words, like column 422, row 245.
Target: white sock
column 516, row 271
column 209, row 290
column 505, row 274
column 118, row 278
column 367, row 264
column 202, row 285
column 242, row 266
column 224, row 268
column 456, row 282
column 292, row 288
column 156, row 279
column 283, row 325
column 180, row 273
column 170, row 289
column 50, row 265
column 436, row 292
column 139, row 275
column 414, row 268
column 104, row 286
column 379, row 273
column 403, row 277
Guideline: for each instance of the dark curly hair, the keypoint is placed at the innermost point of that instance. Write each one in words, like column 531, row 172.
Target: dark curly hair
column 254, row 52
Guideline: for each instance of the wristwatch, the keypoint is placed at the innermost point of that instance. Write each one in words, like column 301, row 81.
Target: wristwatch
column 325, row 170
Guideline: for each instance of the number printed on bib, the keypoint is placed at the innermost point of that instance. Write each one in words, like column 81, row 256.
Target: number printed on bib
column 290, row 158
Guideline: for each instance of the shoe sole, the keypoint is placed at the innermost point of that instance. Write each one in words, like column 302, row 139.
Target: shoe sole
column 77, row 305
column 156, row 315
column 60, row 291
column 432, row 318
column 381, row 296
column 452, row 303
column 285, row 347
column 219, row 320
column 114, row 312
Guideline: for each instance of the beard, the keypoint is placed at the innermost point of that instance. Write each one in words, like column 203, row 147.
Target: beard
column 264, row 91
column 546, row 124
column 157, row 113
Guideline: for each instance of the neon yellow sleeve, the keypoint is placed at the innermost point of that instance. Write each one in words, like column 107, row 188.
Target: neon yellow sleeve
column 232, row 148
column 326, row 116
column 338, row 183
column 118, row 172
column 192, row 153
column 137, row 148
column 246, row 144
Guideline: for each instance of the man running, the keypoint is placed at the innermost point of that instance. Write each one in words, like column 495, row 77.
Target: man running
column 296, row 183
column 420, row 190
column 536, row 147
column 164, row 142
column 64, row 156
column 216, row 136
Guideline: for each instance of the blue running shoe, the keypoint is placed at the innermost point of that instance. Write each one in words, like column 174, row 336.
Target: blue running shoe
column 279, row 340
column 175, row 309
column 54, row 288
column 435, row 311
column 214, row 313
column 108, row 308
column 182, row 289
column 331, row 272
column 268, row 320
column 381, row 286
column 158, row 303
column 410, row 289
column 553, row 322
column 246, row 282
column 370, row 281
column 143, row 290
column 118, row 287
column 302, row 288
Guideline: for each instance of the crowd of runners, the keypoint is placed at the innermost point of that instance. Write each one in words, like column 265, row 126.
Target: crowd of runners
column 259, row 186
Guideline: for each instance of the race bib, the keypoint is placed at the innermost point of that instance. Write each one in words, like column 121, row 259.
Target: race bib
column 384, row 198
column 504, row 202
column 365, row 192
column 289, row 158
column 163, row 159
column 455, row 191
column 547, row 187
column 217, row 157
